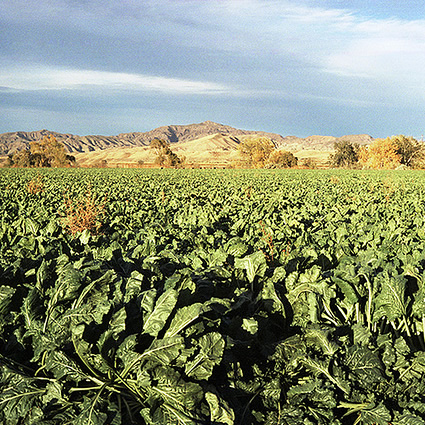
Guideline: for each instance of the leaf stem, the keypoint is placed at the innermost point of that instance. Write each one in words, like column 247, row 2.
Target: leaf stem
column 22, row 395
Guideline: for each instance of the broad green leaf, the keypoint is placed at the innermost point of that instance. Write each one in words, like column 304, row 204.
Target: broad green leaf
column 361, row 334
column 184, row 317
column 409, row 419
column 365, row 364
column 310, row 276
column 321, row 338
column 66, row 287
column 236, row 247
column 155, row 321
column 250, row 325
column 169, row 414
column 127, row 353
column 411, row 369
column 418, row 307
column 147, row 302
column 220, row 412
column 31, row 226
column 305, row 388
column 18, row 397
column 273, row 303
column 6, row 294
column 279, row 274
column 85, row 236
column 117, row 322
column 68, row 283
column 217, row 257
column 43, row 273
column 254, row 264
column 211, row 351
column 390, row 301
column 347, row 289
column 378, row 415
column 173, row 390
column 90, row 413
column 319, row 367
column 62, row 366
column 53, row 392
column 32, row 308
column 96, row 290
column 133, row 286
column 164, row 350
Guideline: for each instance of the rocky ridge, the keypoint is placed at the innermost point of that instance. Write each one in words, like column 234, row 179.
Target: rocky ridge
column 12, row 142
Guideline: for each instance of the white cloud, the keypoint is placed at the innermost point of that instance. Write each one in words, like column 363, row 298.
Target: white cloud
column 265, row 47
column 391, row 50
column 47, row 78
column 336, row 40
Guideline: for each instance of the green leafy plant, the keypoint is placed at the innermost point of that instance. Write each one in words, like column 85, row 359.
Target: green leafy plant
column 174, row 314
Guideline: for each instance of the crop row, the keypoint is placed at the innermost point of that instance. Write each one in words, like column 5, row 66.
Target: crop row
column 212, row 297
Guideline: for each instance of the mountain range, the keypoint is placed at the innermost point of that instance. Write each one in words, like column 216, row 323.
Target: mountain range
column 198, row 142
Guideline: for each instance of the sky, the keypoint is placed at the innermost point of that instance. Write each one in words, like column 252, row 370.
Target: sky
column 293, row 67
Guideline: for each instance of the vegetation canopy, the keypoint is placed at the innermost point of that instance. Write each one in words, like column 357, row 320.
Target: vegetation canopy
column 346, row 154
column 47, row 152
column 164, row 155
column 217, row 297
column 262, row 153
column 381, row 153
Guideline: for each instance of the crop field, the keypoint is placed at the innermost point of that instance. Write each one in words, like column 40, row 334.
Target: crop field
column 212, row 297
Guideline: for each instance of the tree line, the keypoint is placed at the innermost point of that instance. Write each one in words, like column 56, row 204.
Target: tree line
column 261, row 152
column 253, row 153
column 391, row 152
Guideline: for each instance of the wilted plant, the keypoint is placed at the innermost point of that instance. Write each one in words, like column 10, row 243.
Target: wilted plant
column 83, row 214
column 35, row 185
column 268, row 239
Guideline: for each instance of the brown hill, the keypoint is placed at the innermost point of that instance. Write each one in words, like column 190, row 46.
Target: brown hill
column 207, row 142
column 11, row 142
column 214, row 149
column 323, row 143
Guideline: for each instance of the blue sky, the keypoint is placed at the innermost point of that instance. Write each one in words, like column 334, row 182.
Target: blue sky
column 304, row 67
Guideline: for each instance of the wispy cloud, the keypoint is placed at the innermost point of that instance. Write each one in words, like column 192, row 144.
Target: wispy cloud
column 392, row 50
column 320, row 60
column 47, row 78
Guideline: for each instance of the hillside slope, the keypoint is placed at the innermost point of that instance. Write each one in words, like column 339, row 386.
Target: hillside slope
column 180, row 134
column 12, row 142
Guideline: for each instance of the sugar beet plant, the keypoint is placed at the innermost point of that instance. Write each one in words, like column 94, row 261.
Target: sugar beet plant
column 213, row 297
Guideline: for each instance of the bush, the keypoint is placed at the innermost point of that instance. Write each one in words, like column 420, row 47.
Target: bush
column 309, row 163
column 282, row 159
column 255, row 152
column 346, row 154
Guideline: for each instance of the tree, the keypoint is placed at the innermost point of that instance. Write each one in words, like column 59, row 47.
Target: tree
column 164, row 155
column 255, row 152
column 382, row 153
column 47, row 152
column 411, row 152
column 309, row 163
column 346, row 154
column 282, row 159
column 22, row 159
